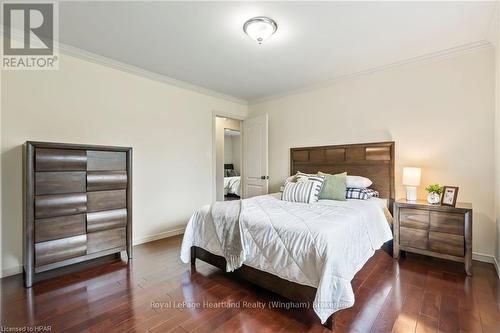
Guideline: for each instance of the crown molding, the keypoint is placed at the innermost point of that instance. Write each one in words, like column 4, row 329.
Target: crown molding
column 425, row 58
column 115, row 64
column 429, row 57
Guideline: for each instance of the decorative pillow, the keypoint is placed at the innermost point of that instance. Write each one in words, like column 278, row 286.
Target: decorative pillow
column 291, row 179
column 334, row 187
column 360, row 193
column 306, row 191
column 233, row 173
column 358, row 182
column 300, row 176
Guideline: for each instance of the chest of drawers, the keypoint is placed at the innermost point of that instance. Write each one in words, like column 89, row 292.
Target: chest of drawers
column 439, row 231
column 77, row 204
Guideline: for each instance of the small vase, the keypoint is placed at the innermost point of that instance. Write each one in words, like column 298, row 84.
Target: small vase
column 433, row 198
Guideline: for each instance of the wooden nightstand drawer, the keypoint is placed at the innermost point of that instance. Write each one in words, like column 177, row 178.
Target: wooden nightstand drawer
column 450, row 223
column 416, row 238
column 446, row 243
column 434, row 230
column 414, row 218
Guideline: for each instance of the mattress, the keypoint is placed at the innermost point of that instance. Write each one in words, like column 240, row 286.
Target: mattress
column 322, row 245
column 232, row 185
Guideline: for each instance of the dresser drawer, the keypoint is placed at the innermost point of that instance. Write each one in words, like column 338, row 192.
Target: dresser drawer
column 446, row 243
column 60, row 204
column 107, row 219
column 60, row 182
column 416, row 238
column 59, row 227
column 60, row 249
column 106, row 200
column 106, row 160
column 450, row 223
column 48, row 159
column 105, row 240
column 106, row 180
column 414, row 218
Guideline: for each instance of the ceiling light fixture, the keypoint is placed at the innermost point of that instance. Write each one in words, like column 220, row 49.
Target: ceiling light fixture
column 260, row 28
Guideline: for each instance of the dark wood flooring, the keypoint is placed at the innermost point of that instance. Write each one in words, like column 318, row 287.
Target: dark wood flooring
column 416, row 294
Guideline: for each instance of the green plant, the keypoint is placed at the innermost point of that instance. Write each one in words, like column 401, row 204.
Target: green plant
column 434, row 188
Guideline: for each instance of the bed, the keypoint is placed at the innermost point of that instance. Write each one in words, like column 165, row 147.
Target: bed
column 232, row 181
column 232, row 186
column 308, row 252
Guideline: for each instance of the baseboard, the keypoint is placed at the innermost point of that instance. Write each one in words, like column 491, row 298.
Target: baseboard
column 12, row 271
column 179, row 231
column 487, row 258
column 497, row 266
column 483, row 257
column 165, row 234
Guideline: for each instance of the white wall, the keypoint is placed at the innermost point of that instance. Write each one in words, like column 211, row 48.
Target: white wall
column 169, row 128
column 228, row 149
column 232, row 149
column 236, row 153
column 440, row 114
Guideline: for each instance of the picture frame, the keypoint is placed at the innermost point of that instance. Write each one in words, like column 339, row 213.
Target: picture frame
column 449, row 197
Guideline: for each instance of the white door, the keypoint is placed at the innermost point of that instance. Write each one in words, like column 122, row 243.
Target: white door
column 255, row 168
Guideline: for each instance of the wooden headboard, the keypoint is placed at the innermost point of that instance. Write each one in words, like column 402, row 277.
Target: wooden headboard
column 371, row 160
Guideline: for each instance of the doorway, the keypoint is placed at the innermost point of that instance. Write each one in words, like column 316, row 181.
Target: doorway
column 228, row 158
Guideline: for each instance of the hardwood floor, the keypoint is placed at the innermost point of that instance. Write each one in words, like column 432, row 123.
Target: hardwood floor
column 416, row 294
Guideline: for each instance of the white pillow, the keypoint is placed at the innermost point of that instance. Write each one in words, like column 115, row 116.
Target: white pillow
column 306, row 191
column 358, row 182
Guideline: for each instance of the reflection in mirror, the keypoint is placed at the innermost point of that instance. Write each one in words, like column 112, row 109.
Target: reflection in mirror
column 232, row 158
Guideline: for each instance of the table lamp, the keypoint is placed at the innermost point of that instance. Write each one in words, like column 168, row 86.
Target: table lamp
column 411, row 179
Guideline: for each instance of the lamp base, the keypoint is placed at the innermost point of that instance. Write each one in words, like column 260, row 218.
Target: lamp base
column 411, row 193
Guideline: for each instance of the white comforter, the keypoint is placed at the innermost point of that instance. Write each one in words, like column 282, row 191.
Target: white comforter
column 232, row 185
column 321, row 245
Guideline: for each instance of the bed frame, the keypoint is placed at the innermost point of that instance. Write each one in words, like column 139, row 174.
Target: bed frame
column 372, row 160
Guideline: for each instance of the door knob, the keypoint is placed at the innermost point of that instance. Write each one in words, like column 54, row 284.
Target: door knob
column 264, row 177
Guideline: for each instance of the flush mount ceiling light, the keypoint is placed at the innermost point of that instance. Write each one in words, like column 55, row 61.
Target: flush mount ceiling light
column 260, row 28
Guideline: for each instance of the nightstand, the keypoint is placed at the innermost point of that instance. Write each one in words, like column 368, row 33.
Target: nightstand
column 439, row 231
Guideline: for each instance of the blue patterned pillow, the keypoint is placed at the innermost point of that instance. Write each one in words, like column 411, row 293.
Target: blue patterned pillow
column 360, row 193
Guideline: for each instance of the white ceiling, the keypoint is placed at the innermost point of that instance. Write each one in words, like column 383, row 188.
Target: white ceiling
column 202, row 43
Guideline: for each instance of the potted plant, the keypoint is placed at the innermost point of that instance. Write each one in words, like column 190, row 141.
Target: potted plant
column 434, row 195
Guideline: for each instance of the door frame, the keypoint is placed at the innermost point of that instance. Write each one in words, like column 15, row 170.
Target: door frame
column 223, row 114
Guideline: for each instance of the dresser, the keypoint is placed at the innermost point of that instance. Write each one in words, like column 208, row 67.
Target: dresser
column 77, row 204
column 434, row 230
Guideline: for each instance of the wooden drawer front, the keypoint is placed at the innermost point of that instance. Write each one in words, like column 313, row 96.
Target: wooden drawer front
column 60, row 249
column 414, row 218
column 446, row 243
column 106, row 180
column 106, row 200
column 60, row 160
column 59, row 182
column 105, row 240
column 60, row 204
column 416, row 238
column 108, row 219
column 59, row 227
column 106, row 160
column 450, row 223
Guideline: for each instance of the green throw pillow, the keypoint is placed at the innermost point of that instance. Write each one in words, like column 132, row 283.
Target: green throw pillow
column 334, row 187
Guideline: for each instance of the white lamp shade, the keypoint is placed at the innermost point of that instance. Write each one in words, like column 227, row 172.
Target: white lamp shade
column 411, row 176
